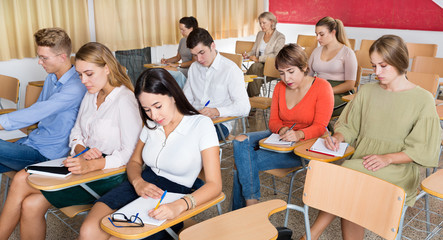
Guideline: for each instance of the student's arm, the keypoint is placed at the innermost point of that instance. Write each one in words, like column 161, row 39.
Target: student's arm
column 174, row 59
column 350, row 65
column 240, row 105
column 184, row 64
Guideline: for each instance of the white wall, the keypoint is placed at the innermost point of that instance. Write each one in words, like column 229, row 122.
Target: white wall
column 28, row 69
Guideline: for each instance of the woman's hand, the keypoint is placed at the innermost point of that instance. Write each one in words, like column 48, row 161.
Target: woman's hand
column 145, row 189
column 164, row 61
column 292, row 136
column 253, row 58
column 77, row 165
column 332, row 143
column 245, row 55
column 173, row 64
column 92, row 153
column 375, row 162
column 168, row 211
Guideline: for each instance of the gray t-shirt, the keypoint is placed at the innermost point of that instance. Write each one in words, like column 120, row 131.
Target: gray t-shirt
column 185, row 54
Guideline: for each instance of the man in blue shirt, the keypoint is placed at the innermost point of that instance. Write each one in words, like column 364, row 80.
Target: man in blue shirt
column 55, row 110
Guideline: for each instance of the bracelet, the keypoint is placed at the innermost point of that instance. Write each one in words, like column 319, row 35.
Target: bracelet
column 193, row 204
column 187, row 205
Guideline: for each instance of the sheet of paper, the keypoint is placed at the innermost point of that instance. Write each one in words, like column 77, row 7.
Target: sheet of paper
column 275, row 139
column 14, row 134
column 51, row 163
column 143, row 205
column 319, row 146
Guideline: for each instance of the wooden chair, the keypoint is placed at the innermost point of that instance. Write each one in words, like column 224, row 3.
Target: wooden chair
column 249, row 223
column 424, row 80
column 243, row 46
column 236, row 58
column 432, row 187
column 307, row 41
column 263, row 102
column 352, row 42
column 147, row 230
column 9, row 90
column 363, row 199
column 428, row 65
column 421, row 49
column 33, row 91
column 309, row 50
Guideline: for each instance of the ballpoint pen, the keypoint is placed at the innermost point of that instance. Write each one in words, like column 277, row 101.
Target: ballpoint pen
column 207, row 103
column 293, row 125
column 80, row 153
column 329, row 135
column 161, row 199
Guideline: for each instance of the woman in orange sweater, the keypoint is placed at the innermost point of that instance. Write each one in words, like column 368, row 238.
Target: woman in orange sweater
column 301, row 101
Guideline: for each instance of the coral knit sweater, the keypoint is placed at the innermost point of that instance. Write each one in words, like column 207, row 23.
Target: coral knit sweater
column 311, row 114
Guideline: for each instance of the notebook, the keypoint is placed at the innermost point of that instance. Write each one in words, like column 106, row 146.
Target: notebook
column 53, row 168
column 275, row 139
column 319, row 147
column 143, row 205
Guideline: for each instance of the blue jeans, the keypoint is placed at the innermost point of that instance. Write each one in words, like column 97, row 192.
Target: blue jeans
column 16, row 156
column 249, row 161
column 224, row 130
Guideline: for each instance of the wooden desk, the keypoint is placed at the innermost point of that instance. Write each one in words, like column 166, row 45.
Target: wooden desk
column 301, row 150
column 12, row 136
column 246, row 223
column 276, row 147
column 222, row 119
column 433, row 184
column 4, row 111
column 348, row 98
column 147, row 230
column 219, row 120
column 164, row 66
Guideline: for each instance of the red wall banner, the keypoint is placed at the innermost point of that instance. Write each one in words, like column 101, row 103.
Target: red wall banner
column 394, row 14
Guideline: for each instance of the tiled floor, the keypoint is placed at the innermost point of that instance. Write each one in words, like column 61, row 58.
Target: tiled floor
column 57, row 230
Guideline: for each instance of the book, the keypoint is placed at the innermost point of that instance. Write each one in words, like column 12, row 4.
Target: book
column 319, row 147
column 9, row 135
column 143, row 205
column 275, row 139
column 53, row 168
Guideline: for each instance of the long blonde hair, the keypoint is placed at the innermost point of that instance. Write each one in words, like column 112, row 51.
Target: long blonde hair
column 99, row 54
column 337, row 25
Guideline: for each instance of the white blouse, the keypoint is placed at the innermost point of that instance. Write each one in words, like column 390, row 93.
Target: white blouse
column 178, row 157
column 113, row 128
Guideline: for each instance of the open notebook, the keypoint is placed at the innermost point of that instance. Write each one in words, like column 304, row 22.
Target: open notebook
column 319, row 147
column 143, row 205
column 275, row 139
column 53, row 168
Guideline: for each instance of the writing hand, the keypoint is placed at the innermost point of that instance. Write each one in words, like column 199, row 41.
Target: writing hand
column 145, row 189
column 164, row 61
column 292, row 136
column 375, row 162
column 210, row 112
column 92, row 153
column 77, row 165
column 253, row 58
column 332, row 143
column 167, row 211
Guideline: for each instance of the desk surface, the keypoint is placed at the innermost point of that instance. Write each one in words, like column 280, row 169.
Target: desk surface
column 276, row 147
column 154, row 65
column 47, row 183
column 302, row 151
column 8, row 110
column 432, row 184
column 247, row 223
column 222, row 119
column 147, row 230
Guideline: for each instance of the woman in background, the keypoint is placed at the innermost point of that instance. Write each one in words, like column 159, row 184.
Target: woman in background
column 268, row 43
column 394, row 126
column 334, row 60
column 187, row 24
column 172, row 150
column 108, row 123
column 301, row 109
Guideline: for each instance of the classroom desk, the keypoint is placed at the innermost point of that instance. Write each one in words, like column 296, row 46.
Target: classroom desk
column 147, row 230
column 248, row 223
column 302, row 151
column 276, row 147
column 349, row 98
column 12, row 136
column 156, row 65
column 219, row 120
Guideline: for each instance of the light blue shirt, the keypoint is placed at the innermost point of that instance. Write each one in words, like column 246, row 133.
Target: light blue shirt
column 55, row 112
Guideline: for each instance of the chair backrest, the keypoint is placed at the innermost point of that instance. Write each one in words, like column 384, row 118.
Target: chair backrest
column 269, row 68
column 362, row 54
column 366, row 44
column 427, row 81
column 428, row 65
column 73, row 60
column 9, row 88
column 307, row 41
column 236, row 58
column 357, row 80
column 352, row 42
column 360, row 198
column 32, row 94
column 309, row 50
column 243, row 46
column 421, row 49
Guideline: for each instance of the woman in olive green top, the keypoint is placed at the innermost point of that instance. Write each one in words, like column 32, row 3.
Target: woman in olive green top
column 393, row 125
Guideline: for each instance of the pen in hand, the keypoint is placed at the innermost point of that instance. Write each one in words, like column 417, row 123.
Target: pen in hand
column 161, row 199
column 80, row 153
column 207, row 103
column 293, row 125
column 330, row 138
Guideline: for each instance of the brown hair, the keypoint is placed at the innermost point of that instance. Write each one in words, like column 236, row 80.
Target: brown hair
column 337, row 25
column 393, row 50
column 55, row 38
column 292, row 55
column 269, row 16
column 100, row 55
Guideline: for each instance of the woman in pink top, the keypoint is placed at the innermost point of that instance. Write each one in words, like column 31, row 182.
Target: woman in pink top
column 334, row 60
column 299, row 100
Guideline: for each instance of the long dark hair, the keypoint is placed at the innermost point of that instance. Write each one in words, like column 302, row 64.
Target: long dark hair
column 160, row 81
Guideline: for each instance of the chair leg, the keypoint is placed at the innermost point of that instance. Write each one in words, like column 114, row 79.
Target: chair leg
column 400, row 226
column 305, row 211
column 172, row 233
column 273, row 185
column 219, row 209
column 289, row 197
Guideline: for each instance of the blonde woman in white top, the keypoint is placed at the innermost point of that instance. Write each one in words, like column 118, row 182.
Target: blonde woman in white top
column 175, row 144
column 108, row 123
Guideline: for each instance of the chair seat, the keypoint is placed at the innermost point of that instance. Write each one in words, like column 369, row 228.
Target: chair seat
column 432, row 184
column 72, row 211
column 260, row 102
column 282, row 172
column 4, row 111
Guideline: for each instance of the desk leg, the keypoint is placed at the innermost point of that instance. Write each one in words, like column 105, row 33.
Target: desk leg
column 221, row 133
column 89, row 190
column 172, row 233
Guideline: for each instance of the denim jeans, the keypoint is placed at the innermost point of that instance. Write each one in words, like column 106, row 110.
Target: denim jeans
column 16, row 156
column 249, row 161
